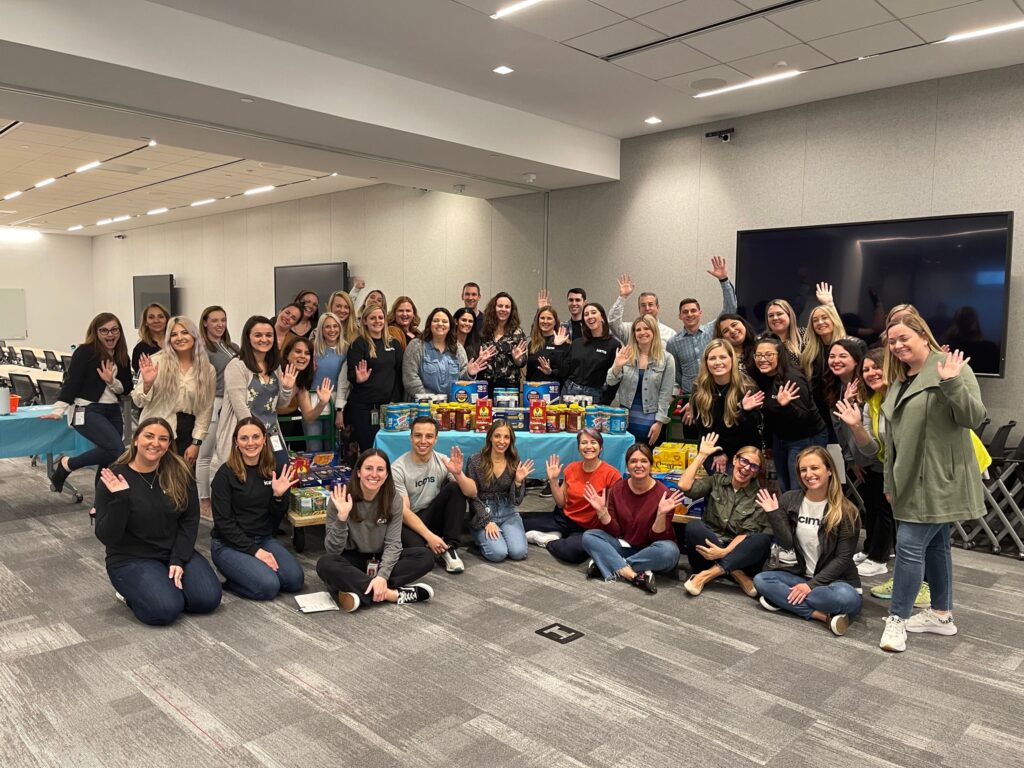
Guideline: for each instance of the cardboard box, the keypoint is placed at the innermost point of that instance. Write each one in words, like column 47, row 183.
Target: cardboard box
column 467, row 391
column 548, row 391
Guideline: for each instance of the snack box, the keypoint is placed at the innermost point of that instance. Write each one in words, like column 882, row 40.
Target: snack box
column 582, row 400
column 308, row 501
column 467, row 391
column 506, row 398
column 547, row 391
column 517, row 418
column 430, row 397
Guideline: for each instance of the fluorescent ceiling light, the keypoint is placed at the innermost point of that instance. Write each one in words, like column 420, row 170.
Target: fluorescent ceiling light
column 982, row 32
column 121, row 218
column 75, row 228
column 652, row 120
column 503, row 70
column 155, row 211
column 751, row 83
column 207, row 201
column 45, row 182
column 259, row 190
column 152, row 142
column 514, row 8
column 11, row 235
column 87, row 166
column 13, row 195
column 103, row 222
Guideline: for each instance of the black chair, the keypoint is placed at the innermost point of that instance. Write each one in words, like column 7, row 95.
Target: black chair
column 49, row 391
column 29, row 359
column 65, row 361
column 12, row 357
column 24, row 388
column 52, row 363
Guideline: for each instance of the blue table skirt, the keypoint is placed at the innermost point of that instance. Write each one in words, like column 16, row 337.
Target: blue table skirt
column 25, row 434
column 529, row 445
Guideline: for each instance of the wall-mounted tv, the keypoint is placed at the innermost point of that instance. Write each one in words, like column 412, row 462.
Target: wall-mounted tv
column 154, row 289
column 954, row 269
column 325, row 279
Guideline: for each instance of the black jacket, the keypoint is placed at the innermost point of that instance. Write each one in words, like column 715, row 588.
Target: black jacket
column 244, row 513
column 82, row 379
column 799, row 419
column 835, row 548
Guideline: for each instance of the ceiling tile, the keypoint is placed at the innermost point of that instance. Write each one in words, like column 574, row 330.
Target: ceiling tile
column 487, row 6
column 692, row 14
column 633, row 8
column 904, row 8
column 719, row 72
column 564, row 19
column 665, row 61
column 964, row 18
column 801, row 57
column 757, row 5
column 829, row 17
column 867, row 42
column 618, row 37
column 737, row 41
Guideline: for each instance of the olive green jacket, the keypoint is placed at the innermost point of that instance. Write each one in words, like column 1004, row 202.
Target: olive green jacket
column 931, row 470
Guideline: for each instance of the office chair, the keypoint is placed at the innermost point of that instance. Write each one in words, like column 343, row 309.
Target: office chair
column 29, row 359
column 49, row 391
column 24, row 388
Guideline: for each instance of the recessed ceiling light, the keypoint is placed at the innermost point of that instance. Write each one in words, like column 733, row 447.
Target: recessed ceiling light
column 259, row 190
column 45, row 182
column 982, row 32
column 503, row 70
column 12, row 235
column 750, row 83
column 152, row 142
column 652, row 120
column 155, row 211
column 247, row 100
column 334, row 174
column 75, row 228
column 514, row 8
column 103, row 222
column 121, row 218
column 207, row 201
column 87, row 166
column 12, row 195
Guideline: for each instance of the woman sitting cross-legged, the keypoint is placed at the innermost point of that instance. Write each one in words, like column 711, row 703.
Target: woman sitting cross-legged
column 824, row 528
column 249, row 501
column 729, row 540
column 500, row 480
column 365, row 562
column 147, row 516
column 636, row 538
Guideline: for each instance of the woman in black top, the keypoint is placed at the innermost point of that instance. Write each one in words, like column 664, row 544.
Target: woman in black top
column 309, row 303
column 99, row 373
column 375, row 374
column 152, row 329
column 737, row 331
column 540, row 362
column 465, row 331
column 586, row 361
column 503, row 332
column 790, row 415
column 147, row 516
column 249, row 501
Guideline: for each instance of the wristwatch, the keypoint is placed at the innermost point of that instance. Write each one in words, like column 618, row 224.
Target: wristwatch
column 196, row 442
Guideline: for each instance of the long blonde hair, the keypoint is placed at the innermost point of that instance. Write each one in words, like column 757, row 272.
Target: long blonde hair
column 792, row 340
column 174, row 474
column 536, row 336
column 169, row 372
column 320, row 346
column 144, row 332
column 814, row 346
column 893, row 368
column 364, row 332
column 657, row 353
column 837, row 507
column 704, row 390
column 349, row 328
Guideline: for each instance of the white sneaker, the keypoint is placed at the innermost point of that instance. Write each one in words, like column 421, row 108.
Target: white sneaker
column 859, row 558
column 871, row 568
column 349, row 601
column 541, row 539
column 120, row 597
column 767, row 605
column 894, row 637
column 452, row 562
column 787, row 557
column 929, row 621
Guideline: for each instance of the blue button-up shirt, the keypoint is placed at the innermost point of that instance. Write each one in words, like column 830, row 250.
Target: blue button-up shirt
column 687, row 347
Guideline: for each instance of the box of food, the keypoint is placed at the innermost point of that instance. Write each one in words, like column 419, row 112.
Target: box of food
column 467, row 391
column 308, row 501
column 547, row 391
column 538, row 416
column 484, row 414
column 505, row 397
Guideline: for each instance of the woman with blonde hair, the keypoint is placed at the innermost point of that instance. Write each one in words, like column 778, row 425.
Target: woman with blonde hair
column 404, row 321
column 178, row 384
column 213, row 329
column 822, row 527
column 343, row 307
column 152, row 328
column 330, row 348
column 825, row 328
column 780, row 321
column 540, row 360
column 645, row 376
column 374, row 368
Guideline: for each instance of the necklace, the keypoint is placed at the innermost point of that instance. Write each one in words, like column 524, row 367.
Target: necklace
column 146, row 480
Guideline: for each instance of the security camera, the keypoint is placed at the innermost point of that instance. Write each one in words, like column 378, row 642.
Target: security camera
column 120, row 236
column 724, row 135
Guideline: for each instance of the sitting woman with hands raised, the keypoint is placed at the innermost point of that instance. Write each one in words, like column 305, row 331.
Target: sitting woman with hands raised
column 298, row 354
column 645, row 376
column 635, row 538
column 500, row 481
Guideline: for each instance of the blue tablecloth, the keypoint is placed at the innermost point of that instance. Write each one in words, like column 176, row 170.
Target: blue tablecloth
column 24, row 434
column 529, row 445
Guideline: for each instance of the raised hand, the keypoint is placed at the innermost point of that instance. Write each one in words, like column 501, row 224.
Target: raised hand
column 718, row 269
column 323, row 392
column 106, row 370
column 599, row 501
column 709, row 445
column 561, row 336
column 342, row 501
column 113, row 482
column 719, row 464
column 623, row 356
column 787, row 393
column 554, row 468
column 362, row 372
column 669, row 502
column 288, row 375
column 543, row 298
column 544, row 365
column 767, row 500
column 358, row 283
column 752, row 400
column 453, row 463
column 523, row 470
column 823, row 292
column 267, row 558
column 519, row 350
column 147, row 371
column 281, row 485
column 626, row 285
column 850, row 414
column 852, row 391
column 950, row 366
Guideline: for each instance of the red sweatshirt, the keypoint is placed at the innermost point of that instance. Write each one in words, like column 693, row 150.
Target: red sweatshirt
column 633, row 514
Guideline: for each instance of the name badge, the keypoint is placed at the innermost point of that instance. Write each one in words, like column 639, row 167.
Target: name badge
column 275, row 443
column 79, row 417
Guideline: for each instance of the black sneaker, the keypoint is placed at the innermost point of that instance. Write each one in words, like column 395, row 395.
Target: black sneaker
column 59, row 476
column 545, row 492
column 645, row 581
column 414, row 593
column 593, row 572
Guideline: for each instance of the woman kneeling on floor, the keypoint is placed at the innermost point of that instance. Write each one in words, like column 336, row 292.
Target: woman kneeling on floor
column 824, row 528
column 249, row 501
column 729, row 540
column 636, row 538
column 365, row 562
column 147, row 515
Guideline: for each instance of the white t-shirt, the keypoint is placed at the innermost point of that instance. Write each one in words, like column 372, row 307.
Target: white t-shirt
column 420, row 483
column 807, row 524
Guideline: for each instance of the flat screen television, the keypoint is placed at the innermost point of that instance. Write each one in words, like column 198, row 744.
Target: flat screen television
column 954, row 269
column 153, row 289
column 325, row 279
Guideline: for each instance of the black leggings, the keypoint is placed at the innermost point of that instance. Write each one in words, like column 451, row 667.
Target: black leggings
column 569, row 548
column 748, row 556
column 879, row 526
column 444, row 516
column 346, row 572
column 360, row 417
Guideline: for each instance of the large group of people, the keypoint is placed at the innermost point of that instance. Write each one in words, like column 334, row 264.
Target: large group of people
column 211, row 443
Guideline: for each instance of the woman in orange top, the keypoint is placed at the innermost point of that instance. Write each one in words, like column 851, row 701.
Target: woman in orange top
column 561, row 531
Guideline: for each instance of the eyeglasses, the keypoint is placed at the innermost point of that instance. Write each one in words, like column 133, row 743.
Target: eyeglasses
column 108, row 331
column 765, row 355
column 748, row 465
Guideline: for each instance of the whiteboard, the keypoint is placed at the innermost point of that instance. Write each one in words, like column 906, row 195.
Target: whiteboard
column 13, row 322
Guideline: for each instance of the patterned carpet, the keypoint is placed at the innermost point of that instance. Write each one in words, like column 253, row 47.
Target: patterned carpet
column 464, row 680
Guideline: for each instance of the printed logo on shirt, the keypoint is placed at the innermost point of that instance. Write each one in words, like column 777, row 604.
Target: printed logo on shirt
column 267, row 482
column 601, row 351
column 815, row 521
column 425, row 480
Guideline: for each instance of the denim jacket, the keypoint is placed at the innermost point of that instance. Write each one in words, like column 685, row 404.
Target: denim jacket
column 659, row 378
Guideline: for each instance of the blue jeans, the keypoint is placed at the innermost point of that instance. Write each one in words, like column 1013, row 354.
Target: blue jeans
column 152, row 596
column 610, row 556
column 104, row 428
column 252, row 578
column 837, row 597
column 921, row 547
column 512, row 541
column 785, row 453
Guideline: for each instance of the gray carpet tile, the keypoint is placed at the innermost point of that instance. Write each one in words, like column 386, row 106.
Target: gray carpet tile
column 660, row 680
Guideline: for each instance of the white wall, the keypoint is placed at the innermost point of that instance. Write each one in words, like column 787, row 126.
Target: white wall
column 403, row 241
column 946, row 146
column 56, row 273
